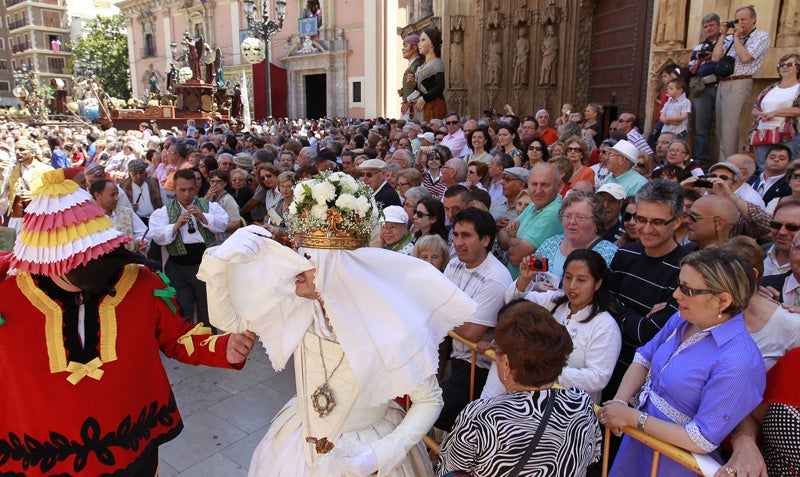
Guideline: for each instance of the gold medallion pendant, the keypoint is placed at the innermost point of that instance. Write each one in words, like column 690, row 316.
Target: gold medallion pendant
column 322, row 400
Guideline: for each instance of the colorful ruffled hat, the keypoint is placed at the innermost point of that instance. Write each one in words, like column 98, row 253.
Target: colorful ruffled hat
column 63, row 227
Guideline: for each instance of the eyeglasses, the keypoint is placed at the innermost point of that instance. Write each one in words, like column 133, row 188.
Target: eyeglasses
column 602, row 151
column 690, row 292
column 576, row 218
column 693, row 217
column 402, row 184
column 574, row 149
column 639, row 165
column 724, row 177
column 535, row 148
column 367, row 174
column 794, row 176
column 775, row 225
column 787, row 65
column 627, row 216
column 452, row 123
column 654, row 222
column 420, row 214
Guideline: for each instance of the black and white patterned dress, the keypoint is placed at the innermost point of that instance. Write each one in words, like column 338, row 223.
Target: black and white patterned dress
column 490, row 436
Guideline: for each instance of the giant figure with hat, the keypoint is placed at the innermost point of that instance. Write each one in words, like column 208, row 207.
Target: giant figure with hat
column 84, row 392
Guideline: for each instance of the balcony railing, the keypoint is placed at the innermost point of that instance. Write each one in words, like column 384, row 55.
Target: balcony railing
column 18, row 24
column 20, row 47
column 57, row 3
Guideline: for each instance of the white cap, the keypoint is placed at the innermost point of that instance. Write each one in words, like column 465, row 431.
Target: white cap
column 395, row 214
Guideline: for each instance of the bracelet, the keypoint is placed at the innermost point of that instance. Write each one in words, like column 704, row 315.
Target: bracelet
column 621, row 402
column 642, row 420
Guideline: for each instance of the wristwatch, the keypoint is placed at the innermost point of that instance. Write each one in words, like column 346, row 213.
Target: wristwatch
column 642, row 419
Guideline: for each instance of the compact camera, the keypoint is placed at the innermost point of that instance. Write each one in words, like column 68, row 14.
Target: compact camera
column 538, row 264
column 731, row 23
column 703, row 181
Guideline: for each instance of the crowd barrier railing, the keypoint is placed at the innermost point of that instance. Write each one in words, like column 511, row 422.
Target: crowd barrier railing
column 659, row 447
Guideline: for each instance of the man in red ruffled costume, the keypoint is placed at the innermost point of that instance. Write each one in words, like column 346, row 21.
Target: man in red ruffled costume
column 81, row 325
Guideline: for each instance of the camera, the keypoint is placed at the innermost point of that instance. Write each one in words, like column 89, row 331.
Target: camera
column 703, row 181
column 538, row 264
column 731, row 23
column 701, row 55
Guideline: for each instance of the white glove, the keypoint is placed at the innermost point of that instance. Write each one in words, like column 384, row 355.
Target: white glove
column 247, row 242
column 347, row 459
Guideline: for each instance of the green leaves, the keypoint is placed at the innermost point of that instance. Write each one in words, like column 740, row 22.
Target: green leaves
column 105, row 39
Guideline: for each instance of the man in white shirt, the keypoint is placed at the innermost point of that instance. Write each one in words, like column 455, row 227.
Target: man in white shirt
column 143, row 193
column 481, row 276
column 455, row 139
column 186, row 226
column 106, row 194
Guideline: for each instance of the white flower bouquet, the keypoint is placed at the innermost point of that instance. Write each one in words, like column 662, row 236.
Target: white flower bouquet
column 332, row 204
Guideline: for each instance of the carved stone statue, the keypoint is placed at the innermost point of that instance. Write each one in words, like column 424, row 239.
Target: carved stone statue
column 521, row 54
column 671, row 27
column 547, row 76
column 789, row 25
column 494, row 18
column 494, row 64
column 457, row 59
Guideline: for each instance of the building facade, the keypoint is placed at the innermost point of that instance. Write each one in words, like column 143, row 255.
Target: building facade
column 38, row 37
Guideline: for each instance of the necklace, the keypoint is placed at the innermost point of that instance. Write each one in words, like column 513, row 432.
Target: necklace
column 322, row 400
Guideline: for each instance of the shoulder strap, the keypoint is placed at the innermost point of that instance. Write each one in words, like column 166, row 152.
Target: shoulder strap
column 551, row 399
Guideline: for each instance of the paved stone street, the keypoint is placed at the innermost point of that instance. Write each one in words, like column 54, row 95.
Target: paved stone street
column 225, row 415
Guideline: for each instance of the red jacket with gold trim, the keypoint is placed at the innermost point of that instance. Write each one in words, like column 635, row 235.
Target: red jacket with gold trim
column 94, row 404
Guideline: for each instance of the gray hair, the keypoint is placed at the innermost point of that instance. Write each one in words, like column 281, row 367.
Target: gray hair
column 460, row 169
column 665, row 192
column 433, row 243
column 581, row 196
column 406, row 154
column 308, row 151
column 711, row 17
column 420, row 193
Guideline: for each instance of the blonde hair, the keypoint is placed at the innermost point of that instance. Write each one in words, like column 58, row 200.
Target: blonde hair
column 433, row 243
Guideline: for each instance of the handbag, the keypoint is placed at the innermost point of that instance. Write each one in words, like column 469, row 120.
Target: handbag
column 726, row 64
column 551, row 399
column 766, row 137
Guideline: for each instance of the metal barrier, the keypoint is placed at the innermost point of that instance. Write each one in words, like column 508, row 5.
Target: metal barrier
column 659, row 447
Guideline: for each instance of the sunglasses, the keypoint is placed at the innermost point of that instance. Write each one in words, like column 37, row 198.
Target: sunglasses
column 693, row 217
column 775, row 225
column 639, row 165
column 574, row 149
column 367, row 174
column 535, row 148
column 787, row 65
column 420, row 214
column 603, row 151
column 627, row 216
column 452, row 123
column 794, row 177
column 690, row 292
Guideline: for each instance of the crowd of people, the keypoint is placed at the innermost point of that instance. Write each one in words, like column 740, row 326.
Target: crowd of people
column 606, row 269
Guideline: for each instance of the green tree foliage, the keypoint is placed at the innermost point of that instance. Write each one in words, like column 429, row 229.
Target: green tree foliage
column 105, row 39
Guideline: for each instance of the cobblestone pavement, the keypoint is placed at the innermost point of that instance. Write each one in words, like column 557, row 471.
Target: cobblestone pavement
column 225, row 415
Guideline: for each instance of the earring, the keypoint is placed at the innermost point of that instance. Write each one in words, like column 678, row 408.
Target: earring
column 719, row 315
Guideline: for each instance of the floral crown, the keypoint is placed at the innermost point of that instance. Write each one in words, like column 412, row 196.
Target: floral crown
column 332, row 210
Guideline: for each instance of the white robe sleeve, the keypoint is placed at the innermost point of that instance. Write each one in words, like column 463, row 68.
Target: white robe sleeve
column 392, row 449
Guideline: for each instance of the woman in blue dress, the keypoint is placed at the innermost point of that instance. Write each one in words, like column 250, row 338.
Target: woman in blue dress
column 699, row 376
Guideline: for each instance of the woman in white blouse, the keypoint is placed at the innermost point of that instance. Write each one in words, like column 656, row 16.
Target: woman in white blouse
column 583, row 308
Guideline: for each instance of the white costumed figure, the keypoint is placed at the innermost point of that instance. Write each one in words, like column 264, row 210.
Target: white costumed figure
column 364, row 325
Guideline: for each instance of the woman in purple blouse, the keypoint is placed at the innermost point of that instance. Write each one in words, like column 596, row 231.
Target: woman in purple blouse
column 699, row 376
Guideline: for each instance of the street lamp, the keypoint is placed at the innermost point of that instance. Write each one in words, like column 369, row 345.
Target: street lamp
column 264, row 29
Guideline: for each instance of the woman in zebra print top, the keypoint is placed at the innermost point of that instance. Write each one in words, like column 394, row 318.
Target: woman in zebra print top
column 490, row 436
